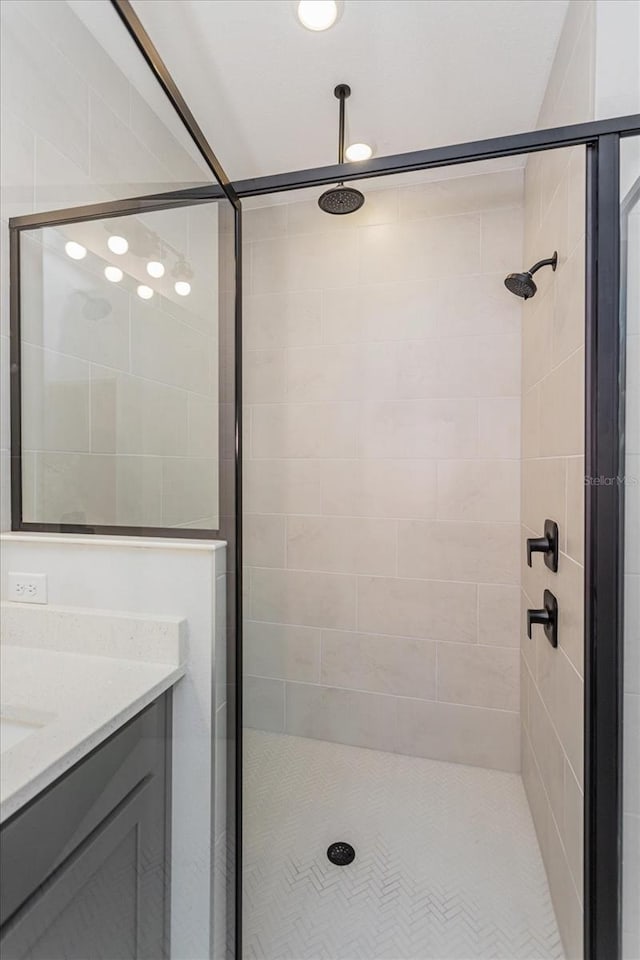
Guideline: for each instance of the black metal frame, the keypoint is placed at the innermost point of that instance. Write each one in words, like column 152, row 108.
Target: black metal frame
column 603, row 444
column 32, row 222
column 604, row 451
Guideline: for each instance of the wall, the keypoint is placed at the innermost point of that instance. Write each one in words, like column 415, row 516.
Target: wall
column 77, row 126
column 120, row 413
column 82, row 121
column 177, row 578
column 382, row 470
column 552, row 476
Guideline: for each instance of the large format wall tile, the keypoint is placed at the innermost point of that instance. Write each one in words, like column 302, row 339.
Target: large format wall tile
column 412, row 250
column 419, row 428
column 302, row 431
column 341, row 545
column 479, row 676
column 462, row 734
column 56, row 409
column 382, row 369
column 453, row 550
column 479, row 490
column 307, row 599
column 379, row 488
column 344, row 716
column 304, row 262
column 283, row 486
column 278, row 650
column 433, row 610
column 553, row 483
column 457, row 367
column 394, row 665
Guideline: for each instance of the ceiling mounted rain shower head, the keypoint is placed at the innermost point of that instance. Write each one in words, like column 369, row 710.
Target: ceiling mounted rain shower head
column 341, row 199
column 522, row 284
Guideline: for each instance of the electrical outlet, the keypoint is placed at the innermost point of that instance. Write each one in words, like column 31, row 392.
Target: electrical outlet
column 28, row 587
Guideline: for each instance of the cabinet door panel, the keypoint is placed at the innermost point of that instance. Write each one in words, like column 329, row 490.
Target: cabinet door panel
column 105, row 899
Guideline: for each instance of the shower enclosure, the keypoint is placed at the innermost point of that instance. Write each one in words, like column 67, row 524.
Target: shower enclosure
column 384, row 530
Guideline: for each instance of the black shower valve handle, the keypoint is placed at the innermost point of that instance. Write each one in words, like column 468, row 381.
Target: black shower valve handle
column 547, row 544
column 540, row 615
column 547, row 616
column 536, row 545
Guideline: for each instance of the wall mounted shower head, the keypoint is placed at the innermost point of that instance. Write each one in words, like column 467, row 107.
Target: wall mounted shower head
column 522, row 284
column 341, row 199
column 93, row 308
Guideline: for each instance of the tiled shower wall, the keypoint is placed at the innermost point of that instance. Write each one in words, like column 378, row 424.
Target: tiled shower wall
column 553, row 486
column 76, row 129
column 553, row 477
column 382, row 380
column 120, row 411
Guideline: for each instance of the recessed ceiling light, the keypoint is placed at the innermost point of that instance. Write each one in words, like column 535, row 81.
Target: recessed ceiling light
column 113, row 274
column 317, row 14
column 358, row 151
column 117, row 245
column 75, row 250
column 155, row 269
column 144, row 292
column 182, row 288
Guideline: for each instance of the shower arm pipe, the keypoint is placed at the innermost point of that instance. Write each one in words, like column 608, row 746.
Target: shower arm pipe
column 549, row 262
column 341, row 93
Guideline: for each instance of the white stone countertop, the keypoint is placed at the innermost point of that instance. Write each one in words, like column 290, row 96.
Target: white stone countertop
column 71, row 678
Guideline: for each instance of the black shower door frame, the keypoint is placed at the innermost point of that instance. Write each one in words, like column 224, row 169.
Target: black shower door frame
column 604, row 469
column 604, row 446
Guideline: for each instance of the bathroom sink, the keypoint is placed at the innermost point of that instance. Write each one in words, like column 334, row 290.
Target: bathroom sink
column 14, row 731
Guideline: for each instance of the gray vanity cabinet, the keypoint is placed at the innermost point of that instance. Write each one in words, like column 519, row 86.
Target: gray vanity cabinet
column 84, row 865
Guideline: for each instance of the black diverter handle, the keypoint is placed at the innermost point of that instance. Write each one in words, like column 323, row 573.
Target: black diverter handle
column 548, row 545
column 547, row 616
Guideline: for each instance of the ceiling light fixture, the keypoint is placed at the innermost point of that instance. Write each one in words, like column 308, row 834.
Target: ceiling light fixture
column 317, row 14
column 155, row 269
column 144, row 292
column 117, row 245
column 358, row 151
column 75, row 250
column 113, row 274
column 182, row 288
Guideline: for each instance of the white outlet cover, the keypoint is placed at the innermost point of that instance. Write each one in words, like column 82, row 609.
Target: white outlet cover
column 28, row 587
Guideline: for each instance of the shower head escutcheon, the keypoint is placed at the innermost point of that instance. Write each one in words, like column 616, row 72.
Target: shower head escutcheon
column 341, row 199
column 522, row 284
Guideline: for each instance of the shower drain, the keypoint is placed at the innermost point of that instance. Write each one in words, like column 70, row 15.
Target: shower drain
column 341, row 853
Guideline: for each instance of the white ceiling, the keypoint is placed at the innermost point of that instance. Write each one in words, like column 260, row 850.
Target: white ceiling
column 423, row 73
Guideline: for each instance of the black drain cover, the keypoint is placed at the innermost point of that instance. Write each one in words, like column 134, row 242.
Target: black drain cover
column 341, row 853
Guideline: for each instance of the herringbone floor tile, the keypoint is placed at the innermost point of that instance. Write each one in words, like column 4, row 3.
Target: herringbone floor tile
column 447, row 864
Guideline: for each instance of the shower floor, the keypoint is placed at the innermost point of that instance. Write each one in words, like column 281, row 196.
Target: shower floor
column 447, row 862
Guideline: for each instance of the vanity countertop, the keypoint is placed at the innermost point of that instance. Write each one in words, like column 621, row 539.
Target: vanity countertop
column 69, row 679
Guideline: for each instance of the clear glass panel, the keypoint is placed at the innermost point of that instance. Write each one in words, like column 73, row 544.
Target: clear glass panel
column 402, row 399
column 83, row 112
column 119, row 344
column 630, row 303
